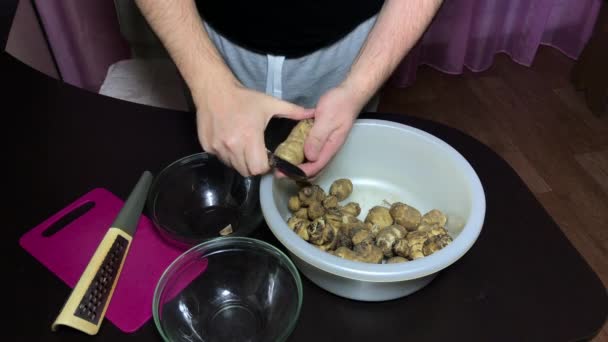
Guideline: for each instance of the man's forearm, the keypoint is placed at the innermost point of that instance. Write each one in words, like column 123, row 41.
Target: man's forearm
column 398, row 27
column 178, row 25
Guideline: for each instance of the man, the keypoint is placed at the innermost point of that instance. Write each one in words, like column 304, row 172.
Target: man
column 246, row 62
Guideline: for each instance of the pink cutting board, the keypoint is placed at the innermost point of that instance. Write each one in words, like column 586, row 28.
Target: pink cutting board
column 67, row 252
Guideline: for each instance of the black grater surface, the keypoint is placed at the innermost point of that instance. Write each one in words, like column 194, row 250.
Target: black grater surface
column 94, row 300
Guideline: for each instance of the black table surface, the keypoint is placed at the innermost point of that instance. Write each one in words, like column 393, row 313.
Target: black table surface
column 522, row 280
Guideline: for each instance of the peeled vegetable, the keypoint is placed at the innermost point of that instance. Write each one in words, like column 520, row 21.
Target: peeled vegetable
column 292, row 149
column 226, row 230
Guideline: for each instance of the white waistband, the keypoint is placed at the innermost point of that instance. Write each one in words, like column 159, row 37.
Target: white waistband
column 274, row 75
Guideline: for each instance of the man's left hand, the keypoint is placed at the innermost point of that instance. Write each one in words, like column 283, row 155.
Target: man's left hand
column 334, row 115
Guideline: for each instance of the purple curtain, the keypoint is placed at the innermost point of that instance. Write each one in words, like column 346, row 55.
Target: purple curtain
column 468, row 33
column 85, row 38
column 85, row 35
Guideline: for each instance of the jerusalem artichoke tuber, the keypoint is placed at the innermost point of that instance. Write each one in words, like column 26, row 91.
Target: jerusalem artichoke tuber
column 302, row 231
column 330, row 202
column 315, row 210
column 365, row 252
column 333, row 219
column 379, row 216
column 387, row 237
column 294, row 204
column 294, row 221
column 302, row 213
column 292, row 149
column 341, row 188
column 360, row 235
column 434, row 216
column 435, row 243
column 401, row 248
column 415, row 240
column 406, row 216
column 396, row 260
column 352, row 209
column 311, row 194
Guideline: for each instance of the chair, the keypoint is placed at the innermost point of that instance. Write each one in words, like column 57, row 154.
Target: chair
column 149, row 76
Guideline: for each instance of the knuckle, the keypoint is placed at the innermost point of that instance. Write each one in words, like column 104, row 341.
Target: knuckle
column 258, row 169
column 207, row 147
column 215, row 146
column 231, row 142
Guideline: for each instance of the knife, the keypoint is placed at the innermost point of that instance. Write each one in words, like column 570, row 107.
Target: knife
column 86, row 306
column 289, row 169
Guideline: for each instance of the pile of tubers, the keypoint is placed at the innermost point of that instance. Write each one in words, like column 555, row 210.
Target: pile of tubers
column 388, row 234
column 393, row 233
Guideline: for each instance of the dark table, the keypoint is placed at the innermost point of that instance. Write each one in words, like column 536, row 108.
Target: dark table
column 522, row 280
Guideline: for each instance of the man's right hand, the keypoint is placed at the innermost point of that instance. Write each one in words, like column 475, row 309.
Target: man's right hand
column 231, row 121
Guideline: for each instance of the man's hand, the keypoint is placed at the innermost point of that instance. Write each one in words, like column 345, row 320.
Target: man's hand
column 399, row 25
column 230, row 118
column 335, row 114
column 231, row 121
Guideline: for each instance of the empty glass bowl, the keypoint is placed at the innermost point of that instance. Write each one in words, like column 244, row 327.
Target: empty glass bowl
column 228, row 289
column 197, row 196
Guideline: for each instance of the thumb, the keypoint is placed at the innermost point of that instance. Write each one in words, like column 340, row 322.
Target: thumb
column 319, row 133
column 284, row 109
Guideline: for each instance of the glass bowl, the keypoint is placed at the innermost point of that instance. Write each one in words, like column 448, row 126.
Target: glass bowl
column 195, row 197
column 228, row 289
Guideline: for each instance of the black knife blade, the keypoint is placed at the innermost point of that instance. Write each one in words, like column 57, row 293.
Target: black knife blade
column 289, row 169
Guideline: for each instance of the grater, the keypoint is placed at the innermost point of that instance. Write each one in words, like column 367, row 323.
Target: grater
column 87, row 304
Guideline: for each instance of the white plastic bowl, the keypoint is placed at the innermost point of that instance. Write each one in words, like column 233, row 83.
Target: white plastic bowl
column 393, row 162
